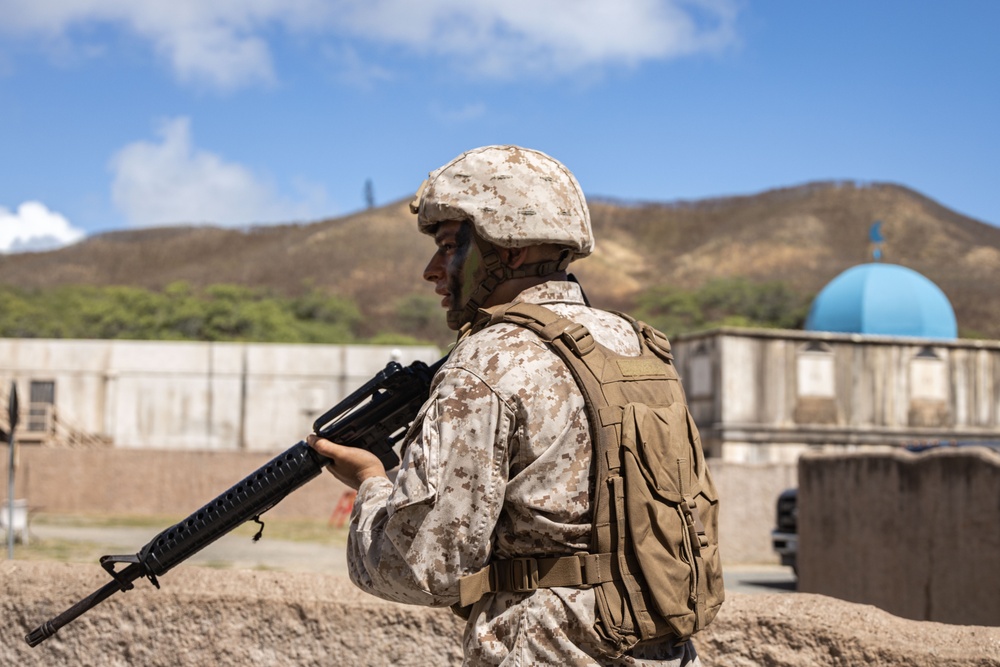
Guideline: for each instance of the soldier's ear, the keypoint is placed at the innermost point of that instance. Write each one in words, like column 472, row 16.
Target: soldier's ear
column 514, row 257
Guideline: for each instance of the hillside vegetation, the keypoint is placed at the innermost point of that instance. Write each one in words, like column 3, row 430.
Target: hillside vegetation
column 748, row 260
column 215, row 313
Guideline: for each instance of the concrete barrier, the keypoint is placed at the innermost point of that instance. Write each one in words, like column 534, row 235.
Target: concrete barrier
column 915, row 534
column 14, row 519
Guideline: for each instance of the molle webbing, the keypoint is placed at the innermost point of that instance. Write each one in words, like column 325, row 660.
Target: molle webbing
column 523, row 575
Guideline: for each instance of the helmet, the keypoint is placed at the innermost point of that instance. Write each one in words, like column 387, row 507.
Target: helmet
column 515, row 197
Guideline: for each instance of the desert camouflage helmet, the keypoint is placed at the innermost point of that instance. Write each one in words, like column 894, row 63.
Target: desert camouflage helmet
column 515, row 197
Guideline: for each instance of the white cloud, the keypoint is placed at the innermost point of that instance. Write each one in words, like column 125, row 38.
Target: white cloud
column 548, row 36
column 34, row 227
column 221, row 43
column 224, row 43
column 173, row 182
column 352, row 69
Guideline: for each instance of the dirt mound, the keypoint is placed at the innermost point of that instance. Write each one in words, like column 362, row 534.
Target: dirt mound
column 204, row 616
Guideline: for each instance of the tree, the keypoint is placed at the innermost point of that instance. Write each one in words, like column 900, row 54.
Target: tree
column 369, row 194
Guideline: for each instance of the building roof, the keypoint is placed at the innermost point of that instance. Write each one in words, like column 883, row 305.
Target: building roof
column 883, row 299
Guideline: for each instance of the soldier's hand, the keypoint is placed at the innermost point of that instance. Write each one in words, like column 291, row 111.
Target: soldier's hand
column 351, row 465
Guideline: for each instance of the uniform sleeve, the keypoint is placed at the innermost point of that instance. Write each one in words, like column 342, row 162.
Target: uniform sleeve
column 413, row 540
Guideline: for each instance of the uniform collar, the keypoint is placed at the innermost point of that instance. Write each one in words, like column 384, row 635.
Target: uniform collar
column 550, row 292
column 553, row 291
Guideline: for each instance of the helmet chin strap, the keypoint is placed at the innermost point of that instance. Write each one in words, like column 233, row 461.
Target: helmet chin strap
column 497, row 272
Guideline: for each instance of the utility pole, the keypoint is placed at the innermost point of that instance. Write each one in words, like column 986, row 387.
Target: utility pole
column 12, row 415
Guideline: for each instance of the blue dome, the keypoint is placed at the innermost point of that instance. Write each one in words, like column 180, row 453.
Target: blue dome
column 884, row 299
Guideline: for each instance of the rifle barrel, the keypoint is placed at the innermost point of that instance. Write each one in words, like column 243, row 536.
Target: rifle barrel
column 50, row 627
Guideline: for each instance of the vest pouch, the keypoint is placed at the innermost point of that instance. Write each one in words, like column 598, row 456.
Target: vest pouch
column 663, row 468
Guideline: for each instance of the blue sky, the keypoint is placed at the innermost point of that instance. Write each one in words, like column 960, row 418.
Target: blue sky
column 117, row 114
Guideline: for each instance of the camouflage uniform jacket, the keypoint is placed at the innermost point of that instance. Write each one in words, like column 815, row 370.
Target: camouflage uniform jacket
column 497, row 465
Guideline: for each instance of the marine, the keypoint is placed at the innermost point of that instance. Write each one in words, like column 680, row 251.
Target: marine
column 497, row 464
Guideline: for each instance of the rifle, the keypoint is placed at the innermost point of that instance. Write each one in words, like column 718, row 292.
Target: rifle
column 374, row 417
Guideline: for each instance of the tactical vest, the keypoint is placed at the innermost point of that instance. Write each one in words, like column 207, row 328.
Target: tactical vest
column 654, row 558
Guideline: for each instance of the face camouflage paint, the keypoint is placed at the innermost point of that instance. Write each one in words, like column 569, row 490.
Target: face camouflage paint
column 471, row 273
column 463, row 271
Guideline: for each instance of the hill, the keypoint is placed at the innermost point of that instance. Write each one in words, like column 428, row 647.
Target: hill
column 803, row 236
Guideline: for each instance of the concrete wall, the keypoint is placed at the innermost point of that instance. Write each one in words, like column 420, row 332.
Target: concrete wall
column 159, row 483
column 915, row 534
column 766, row 395
column 187, row 395
column 747, row 496
column 133, row 482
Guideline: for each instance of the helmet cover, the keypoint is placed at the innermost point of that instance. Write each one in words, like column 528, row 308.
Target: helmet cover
column 515, row 197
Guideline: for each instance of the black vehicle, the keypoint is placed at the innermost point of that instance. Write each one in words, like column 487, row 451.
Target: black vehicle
column 785, row 538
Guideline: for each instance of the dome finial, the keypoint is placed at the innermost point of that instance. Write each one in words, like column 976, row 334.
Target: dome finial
column 876, row 239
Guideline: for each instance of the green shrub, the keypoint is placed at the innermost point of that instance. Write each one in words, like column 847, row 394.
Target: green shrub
column 179, row 312
column 723, row 302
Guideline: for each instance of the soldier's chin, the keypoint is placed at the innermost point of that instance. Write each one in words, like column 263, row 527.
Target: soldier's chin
column 456, row 318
